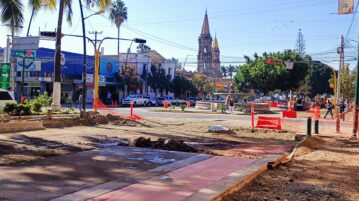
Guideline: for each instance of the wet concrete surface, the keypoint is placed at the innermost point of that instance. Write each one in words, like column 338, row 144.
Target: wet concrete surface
column 58, row 176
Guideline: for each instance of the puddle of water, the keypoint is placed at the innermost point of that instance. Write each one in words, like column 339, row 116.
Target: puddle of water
column 165, row 177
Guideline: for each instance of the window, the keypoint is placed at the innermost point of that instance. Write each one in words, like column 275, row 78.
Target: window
column 4, row 95
column 169, row 71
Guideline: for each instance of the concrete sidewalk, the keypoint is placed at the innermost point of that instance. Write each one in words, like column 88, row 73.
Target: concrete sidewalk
column 125, row 173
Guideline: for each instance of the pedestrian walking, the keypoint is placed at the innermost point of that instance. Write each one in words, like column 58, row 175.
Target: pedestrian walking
column 231, row 105
column 23, row 99
column 329, row 107
column 80, row 101
column 228, row 101
column 342, row 107
column 109, row 97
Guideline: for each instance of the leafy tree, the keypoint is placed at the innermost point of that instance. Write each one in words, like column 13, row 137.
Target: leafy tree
column 143, row 48
column 232, row 69
column 318, row 78
column 257, row 74
column 182, row 86
column 202, row 83
column 118, row 15
column 347, row 83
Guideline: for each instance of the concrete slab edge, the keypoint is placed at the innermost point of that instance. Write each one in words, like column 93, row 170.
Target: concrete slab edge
column 98, row 190
column 234, row 181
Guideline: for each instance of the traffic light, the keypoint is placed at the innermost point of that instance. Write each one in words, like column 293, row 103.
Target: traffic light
column 139, row 40
column 48, row 34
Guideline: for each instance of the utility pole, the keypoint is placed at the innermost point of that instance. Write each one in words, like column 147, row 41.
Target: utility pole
column 340, row 51
column 96, row 73
column 356, row 107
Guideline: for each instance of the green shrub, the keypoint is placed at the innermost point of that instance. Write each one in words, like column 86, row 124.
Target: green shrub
column 172, row 107
column 222, row 108
column 71, row 104
column 22, row 110
column 183, row 107
column 10, row 108
column 36, row 106
column 44, row 100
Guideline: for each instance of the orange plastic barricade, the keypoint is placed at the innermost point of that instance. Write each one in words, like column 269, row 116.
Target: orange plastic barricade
column 269, row 122
column 289, row 114
column 317, row 112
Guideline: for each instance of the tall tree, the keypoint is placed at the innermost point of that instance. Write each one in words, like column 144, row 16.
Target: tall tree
column 347, row 83
column 118, row 15
column 11, row 12
column 224, row 71
column 257, row 74
column 66, row 5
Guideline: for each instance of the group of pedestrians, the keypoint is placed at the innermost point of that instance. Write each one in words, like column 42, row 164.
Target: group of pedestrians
column 330, row 106
column 229, row 104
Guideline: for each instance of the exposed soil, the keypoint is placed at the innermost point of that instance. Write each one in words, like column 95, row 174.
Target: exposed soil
column 180, row 135
column 323, row 169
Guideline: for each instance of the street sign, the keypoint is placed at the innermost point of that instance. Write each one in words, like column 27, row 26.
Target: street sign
column 5, row 75
column 289, row 65
column 25, row 43
column 345, row 7
column 28, row 54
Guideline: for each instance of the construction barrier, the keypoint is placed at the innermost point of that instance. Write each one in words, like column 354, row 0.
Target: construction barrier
column 289, row 114
column 104, row 109
column 316, row 114
column 269, row 122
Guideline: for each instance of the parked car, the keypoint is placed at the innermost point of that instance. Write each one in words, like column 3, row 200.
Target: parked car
column 160, row 101
column 177, row 101
column 193, row 100
column 137, row 99
column 5, row 97
column 169, row 99
column 151, row 100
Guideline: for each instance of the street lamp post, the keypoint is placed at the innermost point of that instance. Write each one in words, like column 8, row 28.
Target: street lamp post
column 84, row 87
column 184, row 64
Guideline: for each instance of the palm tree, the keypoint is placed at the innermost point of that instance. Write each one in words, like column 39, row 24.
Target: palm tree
column 224, row 71
column 66, row 5
column 118, row 15
column 11, row 13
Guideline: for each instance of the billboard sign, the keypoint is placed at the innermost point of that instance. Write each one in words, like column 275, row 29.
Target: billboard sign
column 25, row 43
column 345, row 7
column 108, row 67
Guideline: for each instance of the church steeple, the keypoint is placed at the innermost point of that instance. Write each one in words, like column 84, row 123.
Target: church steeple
column 205, row 26
column 215, row 42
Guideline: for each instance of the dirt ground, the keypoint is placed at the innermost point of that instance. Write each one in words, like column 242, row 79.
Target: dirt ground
column 323, row 169
column 26, row 146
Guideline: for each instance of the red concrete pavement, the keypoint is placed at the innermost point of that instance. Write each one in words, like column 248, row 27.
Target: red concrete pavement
column 179, row 184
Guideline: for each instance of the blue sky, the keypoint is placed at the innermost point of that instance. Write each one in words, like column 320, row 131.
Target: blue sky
column 242, row 26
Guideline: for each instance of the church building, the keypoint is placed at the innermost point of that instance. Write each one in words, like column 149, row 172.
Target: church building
column 208, row 52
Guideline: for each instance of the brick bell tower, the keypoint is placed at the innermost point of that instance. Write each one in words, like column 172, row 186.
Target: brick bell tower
column 204, row 57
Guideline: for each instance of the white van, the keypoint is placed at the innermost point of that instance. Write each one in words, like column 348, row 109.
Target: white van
column 5, row 97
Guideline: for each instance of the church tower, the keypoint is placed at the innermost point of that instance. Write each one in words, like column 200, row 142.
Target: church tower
column 216, row 62
column 205, row 48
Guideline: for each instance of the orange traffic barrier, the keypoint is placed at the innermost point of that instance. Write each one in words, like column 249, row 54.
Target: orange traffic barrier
column 269, row 122
column 289, row 114
column 317, row 112
column 165, row 104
